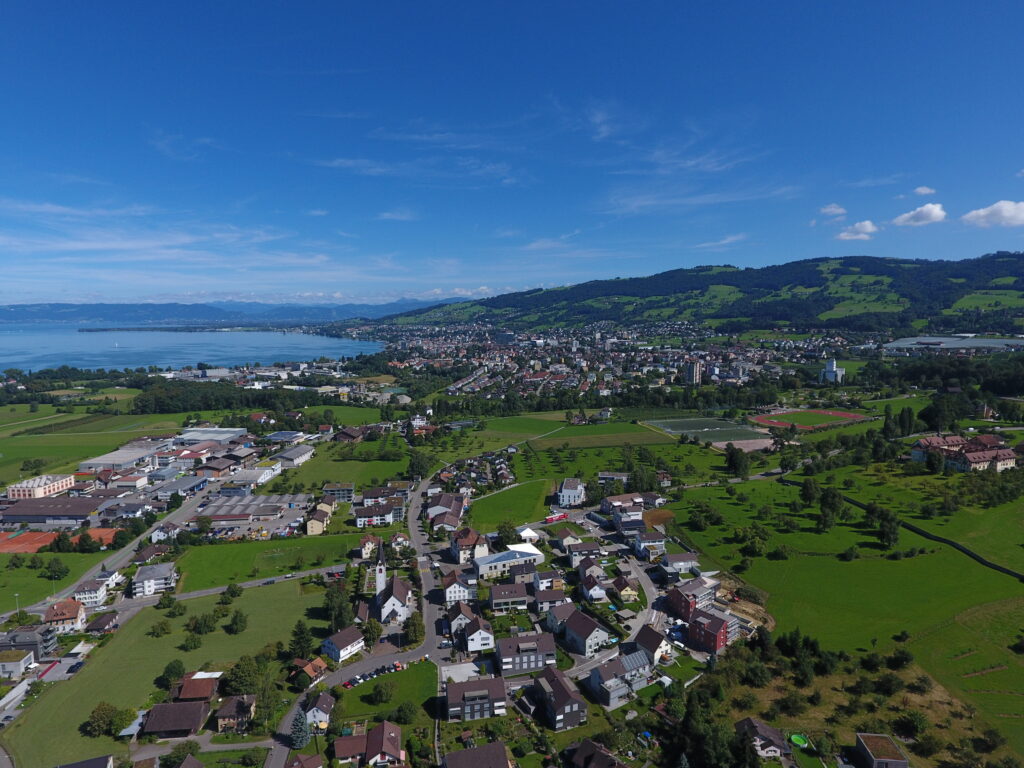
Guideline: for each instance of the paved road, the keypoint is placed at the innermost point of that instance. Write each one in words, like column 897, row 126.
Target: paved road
column 384, row 653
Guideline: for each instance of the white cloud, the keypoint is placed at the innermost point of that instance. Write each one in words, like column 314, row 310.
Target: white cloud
column 924, row 191
column 548, row 243
column 1002, row 214
column 1020, row 173
column 601, row 123
column 862, row 230
column 930, row 213
column 316, row 212
column 875, row 181
column 398, row 214
column 724, row 242
column 833, row 209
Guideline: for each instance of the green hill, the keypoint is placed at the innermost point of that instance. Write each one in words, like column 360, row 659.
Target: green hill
column 856, row 293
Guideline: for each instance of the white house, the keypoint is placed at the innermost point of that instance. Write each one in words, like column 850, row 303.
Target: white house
column 318, row 710
column 151, row 579
column 343, row 644
column 456, row 589
column 91, row 593
column 479, row 636
column 593, row 590
column 571, row 492
column 768, row 742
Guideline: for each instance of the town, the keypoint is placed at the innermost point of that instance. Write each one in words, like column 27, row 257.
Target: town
column 427, row 565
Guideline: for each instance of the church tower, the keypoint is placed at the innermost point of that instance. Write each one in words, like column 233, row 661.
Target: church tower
column 381, row 569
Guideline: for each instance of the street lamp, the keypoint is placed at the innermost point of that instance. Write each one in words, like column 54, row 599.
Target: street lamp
column 17, row 604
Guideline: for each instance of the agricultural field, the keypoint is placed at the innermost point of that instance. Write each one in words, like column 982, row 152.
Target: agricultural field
column 347, row 415
column 68, row 444
column 862, row 603
column 988, row 300
column 995, row 533
column 525, row 503
column 497, row 434
column 215, row 565
column 48, row 733
column 688, row 463
column 29, row 584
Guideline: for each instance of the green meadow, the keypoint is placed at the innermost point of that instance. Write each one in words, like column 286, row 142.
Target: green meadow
column 123, row 671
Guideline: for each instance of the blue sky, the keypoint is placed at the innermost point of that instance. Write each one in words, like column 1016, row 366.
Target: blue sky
column 340, row 151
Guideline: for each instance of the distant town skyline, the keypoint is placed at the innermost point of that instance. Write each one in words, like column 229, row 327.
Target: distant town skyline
column 345, row 153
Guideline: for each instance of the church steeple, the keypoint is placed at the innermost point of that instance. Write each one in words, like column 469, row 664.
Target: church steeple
column 381, row 569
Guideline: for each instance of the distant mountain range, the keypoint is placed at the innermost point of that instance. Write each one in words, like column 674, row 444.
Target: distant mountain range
column 214, row 312
column 862, row 293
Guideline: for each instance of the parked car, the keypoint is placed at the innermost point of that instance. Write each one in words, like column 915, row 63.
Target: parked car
column 75, row 667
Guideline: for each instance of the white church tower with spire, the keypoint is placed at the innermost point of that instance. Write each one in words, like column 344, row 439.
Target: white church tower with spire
column 381, row 570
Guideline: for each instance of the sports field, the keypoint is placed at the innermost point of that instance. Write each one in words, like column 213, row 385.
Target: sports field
column 707, row 430
column 522, row 504
column 805, row 419
column 122, row 672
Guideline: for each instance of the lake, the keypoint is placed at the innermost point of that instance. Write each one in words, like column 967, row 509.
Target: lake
column 33, row 346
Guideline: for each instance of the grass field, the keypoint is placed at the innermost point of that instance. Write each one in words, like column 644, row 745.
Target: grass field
column 995, row 533
column 122, row 672
column 417, row 684
column 349, row 415
column 216, row 565
column 66, row 446
column 689, row 463
column 522, row 504
column 30, row 588
column 226, row 758
column 595, row 435
column 330, row 466
column 856, row 604
column 808, row 419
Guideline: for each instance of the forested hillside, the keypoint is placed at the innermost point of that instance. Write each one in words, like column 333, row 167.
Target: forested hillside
column 857, row 293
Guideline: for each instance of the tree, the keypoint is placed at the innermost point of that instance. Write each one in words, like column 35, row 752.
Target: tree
column 507, row 533
column 405, row 714
column 56, row 569
column 737, row 462
column 16, row 561
column 382, row 692
column 161, row 628
column 301, row 646
column 62, row 543
column 180, row 751
column 809, row 491
column 87, row 544
column 414, row 629
column 337, row 607
column 889, row 531
column 372, row 630
column 100, row 720
column 166, row 600
column 300, row 730
column 191, row 642
column 233, row 590
column 243, row 677
column 239, row 621
column 174, row 670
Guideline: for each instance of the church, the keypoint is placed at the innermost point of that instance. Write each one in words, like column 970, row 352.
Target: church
column 394, row 601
